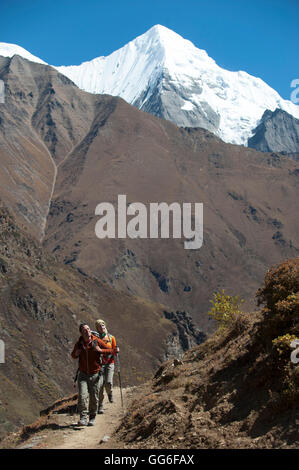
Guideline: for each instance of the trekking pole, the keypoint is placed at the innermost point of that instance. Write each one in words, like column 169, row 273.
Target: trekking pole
column 76, row 377
column 75, row 380
column 118, row 370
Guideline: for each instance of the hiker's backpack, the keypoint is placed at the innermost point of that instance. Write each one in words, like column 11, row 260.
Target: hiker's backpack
column 107, row 356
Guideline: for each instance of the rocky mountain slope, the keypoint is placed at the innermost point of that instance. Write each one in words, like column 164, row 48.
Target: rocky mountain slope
column 237, row 390
column 277, row 131
column 42, row 303
column 40, row 123
column 64, row 151
column 166, row 75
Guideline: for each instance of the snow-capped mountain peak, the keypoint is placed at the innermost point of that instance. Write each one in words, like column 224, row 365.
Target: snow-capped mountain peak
column 174, row 44
column 138, row 67
column 9, row 50
column 164, row 74
column 167, row 75
column 125, row 72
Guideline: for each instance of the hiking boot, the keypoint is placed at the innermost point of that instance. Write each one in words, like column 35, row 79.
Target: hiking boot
column 110, row 397
column 92, row 421
column 100, row 410
column 82, row 422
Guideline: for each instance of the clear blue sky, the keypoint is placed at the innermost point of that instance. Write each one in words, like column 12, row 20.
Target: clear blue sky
column 258, row 36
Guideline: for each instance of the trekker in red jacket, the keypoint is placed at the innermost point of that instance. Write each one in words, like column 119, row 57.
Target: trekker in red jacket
column 89, row 349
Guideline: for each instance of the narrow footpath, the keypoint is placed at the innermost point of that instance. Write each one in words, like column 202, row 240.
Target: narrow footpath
column 67, row 435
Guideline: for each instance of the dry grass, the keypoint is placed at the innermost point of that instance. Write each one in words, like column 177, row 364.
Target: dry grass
column 229, row 392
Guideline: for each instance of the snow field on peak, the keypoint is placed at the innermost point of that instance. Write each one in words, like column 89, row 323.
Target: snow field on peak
column 126, row 72
column 9, row 50
column 237, row 97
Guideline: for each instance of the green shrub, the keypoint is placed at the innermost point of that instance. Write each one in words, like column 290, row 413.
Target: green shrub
column 225, row 308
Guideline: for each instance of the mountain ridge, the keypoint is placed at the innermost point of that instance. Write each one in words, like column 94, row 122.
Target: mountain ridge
column 276, row 130
column 166, row 75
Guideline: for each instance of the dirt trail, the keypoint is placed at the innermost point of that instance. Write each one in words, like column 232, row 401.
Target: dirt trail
column 69, row 436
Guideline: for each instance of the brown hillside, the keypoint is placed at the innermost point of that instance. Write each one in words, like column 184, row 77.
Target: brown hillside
column 237, row 390
column 70, row 150
column 42, row 302
column 248, row 198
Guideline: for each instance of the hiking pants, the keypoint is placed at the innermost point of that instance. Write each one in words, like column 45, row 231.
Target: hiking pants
column 108, row 371
column 88, row 393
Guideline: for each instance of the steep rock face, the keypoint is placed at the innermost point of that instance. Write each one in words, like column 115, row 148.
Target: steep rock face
column 278, row 131
column 42, row 119
column 186, row 335
column 27, row 171
column 175, row 102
